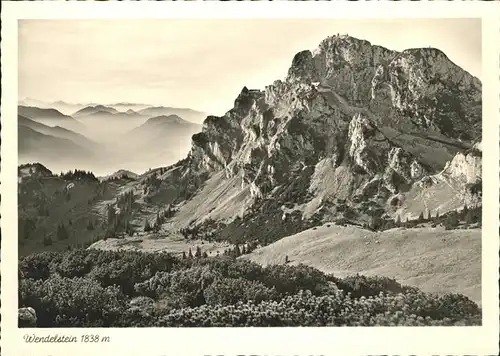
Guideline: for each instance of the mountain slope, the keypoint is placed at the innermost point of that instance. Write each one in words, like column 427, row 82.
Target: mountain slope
column 46, row 202
column 433, row 260
column 352, row 132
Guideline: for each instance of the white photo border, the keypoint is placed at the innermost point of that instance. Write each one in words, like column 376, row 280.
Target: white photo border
column 481, row 340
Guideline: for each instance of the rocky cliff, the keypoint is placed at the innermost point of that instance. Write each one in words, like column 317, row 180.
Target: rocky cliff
column 354, row 131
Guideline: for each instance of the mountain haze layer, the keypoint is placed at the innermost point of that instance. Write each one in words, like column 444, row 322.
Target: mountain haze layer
column 58, row 132
column 120, row 138
column 34, row 146
column 51, row 117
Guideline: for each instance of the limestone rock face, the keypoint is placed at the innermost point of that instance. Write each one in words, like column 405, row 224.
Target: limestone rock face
column 465, row 167
column 370, row 121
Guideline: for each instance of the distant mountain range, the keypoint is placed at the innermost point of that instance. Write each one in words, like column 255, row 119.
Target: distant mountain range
column 64, row 107
column 71, row 109
column 34, row 146
column 132, row 138
column 51, row 117
column 57, row 131
column 187, row 114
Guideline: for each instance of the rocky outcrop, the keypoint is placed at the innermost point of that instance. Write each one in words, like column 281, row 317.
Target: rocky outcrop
column 27, row 317
column 370, row 120
column 142, row 305
column 465, row 167
column 459, row 184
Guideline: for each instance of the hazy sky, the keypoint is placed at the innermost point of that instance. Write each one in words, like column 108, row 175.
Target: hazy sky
column 201, row 64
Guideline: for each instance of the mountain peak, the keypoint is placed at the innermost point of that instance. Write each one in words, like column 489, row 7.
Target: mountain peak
column 353, row 121
column 94, row 109
column 167, row 119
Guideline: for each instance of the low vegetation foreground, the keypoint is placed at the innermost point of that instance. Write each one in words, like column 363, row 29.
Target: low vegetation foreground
column 95, row 288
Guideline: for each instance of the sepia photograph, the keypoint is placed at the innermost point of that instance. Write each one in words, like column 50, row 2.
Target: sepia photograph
column 250, row 178
column 207, row 173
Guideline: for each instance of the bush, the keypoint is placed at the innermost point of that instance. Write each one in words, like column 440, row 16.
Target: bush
column 39, row 266
column 94, row 288
column 226, row 291
column 77, row 302
column 305, row 309
column 179, row 288
column 291, row 279
column 365, row 286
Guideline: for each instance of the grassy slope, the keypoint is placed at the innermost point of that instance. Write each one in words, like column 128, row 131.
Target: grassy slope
column 153, row 243
column 431, row 259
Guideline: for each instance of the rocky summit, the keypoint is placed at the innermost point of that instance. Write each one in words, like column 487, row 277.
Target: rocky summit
column 355, row 131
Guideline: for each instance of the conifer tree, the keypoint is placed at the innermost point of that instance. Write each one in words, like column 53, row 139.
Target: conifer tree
column 197, row 254
column 237, row 251
column 111, row 215
column 465, row 210
column 451, row 220
column 62, row 233
column 469, row 218
column 147, row 226
column 129, row 229
column 190, row 253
